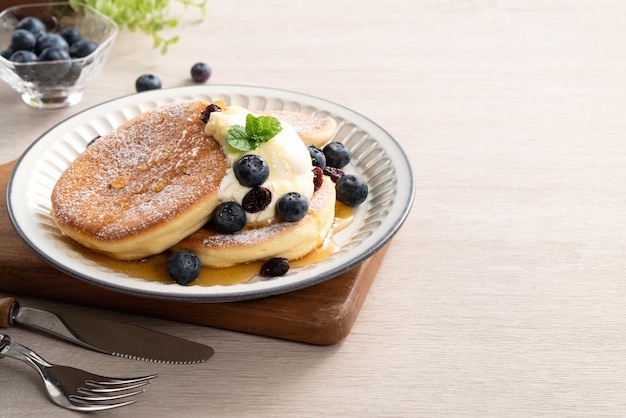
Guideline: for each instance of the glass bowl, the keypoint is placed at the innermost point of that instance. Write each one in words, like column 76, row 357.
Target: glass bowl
column 55, row 84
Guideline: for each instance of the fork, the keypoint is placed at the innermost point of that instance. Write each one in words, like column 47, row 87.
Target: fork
column 74, row 388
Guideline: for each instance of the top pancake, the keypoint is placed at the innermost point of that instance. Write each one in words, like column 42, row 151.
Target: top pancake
column 139, row 190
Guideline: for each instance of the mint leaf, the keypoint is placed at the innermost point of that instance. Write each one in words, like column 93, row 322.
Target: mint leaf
column 262, row 128
column 257, row 130
column 238, row 138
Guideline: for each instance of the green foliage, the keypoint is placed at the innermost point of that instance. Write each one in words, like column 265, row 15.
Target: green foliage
column 148, row 16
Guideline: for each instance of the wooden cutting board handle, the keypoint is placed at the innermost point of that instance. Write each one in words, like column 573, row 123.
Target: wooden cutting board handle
column 6, row 306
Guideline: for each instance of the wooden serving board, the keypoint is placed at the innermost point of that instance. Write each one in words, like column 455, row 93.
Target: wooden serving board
column 322, row 314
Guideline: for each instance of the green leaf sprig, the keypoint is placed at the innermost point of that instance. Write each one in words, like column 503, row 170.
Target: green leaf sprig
column 257, row 130
column 149, row 16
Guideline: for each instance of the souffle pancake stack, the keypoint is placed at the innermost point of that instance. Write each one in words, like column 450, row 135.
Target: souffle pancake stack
column 178, row 177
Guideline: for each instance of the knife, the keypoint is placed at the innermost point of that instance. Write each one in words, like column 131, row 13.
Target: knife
column 110, row 337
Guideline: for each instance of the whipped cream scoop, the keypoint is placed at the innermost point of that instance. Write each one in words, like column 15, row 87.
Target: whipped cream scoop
column 286, row 155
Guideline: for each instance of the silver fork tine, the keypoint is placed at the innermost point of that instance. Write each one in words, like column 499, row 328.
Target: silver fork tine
column 95, row 397
column 100, row 391
column 99, row 407
column 114, row 381
column 110, row 389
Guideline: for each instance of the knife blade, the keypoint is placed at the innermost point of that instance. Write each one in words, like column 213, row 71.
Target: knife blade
column 106, row 336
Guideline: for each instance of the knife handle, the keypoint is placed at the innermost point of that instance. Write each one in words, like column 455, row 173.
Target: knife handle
column 7, row 305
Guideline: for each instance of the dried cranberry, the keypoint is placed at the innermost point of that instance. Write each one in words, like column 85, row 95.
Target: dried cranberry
column 275, row 267
column 256, row 199
column 318, row 178
column 334, row 173
column 206, row 113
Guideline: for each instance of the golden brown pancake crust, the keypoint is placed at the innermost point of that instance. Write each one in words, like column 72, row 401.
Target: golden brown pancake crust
column 139, row 190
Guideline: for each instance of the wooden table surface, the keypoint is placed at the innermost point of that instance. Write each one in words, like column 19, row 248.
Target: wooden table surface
column 504, row 292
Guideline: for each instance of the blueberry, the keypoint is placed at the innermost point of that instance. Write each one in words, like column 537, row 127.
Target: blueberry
column 337, row 154
column 51, row 40
column 292, row 206
column 275, row 267
column 26, row 72
column 251, row 170
column 317, row 156
column 229, row 217
column 73, row 74
column 82, row 48
column 23, row 56
column 71, row 35
column 147, row 82
column 183, row 267
column 6, row 53
column 33, row 25
column 53, row 72
column 200, row 72
column 22, row 40
column 351, row 190
column 54, row 54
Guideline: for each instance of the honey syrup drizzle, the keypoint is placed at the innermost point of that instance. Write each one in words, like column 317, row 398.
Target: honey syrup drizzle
column 154, row 268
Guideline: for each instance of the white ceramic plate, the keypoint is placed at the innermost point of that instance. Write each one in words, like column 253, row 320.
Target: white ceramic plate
column 376, row 156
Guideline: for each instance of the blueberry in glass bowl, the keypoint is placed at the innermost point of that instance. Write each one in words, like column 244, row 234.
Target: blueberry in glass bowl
column 51, row 74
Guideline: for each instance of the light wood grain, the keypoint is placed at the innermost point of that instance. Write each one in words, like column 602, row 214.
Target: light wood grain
column 502, row 295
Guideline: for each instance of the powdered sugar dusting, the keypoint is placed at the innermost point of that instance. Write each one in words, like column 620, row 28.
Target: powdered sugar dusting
column 246, row 237
column 152, row 169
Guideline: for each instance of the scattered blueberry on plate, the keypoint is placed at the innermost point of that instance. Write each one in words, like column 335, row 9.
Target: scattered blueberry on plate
column 251, row 170
column 229, row 217
column 183, row 267
column 318, row 159
column 337, row 154
column 292, row 206
column 351, row 190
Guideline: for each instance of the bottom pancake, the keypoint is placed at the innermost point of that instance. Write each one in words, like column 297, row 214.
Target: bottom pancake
column 291, row 240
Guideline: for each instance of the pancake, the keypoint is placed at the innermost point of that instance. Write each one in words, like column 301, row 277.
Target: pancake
column 291, row 240
column 139, row 190
column 311, row 129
